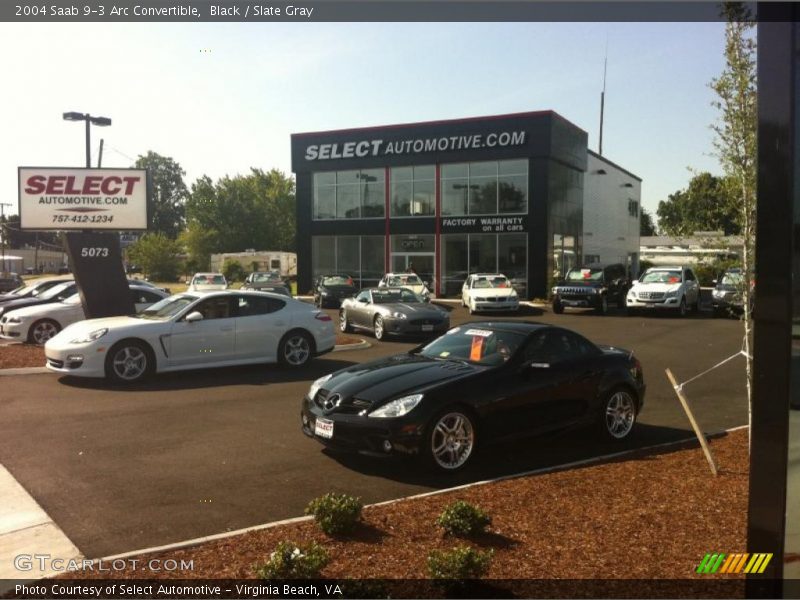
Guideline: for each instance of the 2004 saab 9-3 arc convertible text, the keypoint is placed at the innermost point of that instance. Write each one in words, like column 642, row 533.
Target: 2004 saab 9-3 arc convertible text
column 479, row 382
column 192, row 331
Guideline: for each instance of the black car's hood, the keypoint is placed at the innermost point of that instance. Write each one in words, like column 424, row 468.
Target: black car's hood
column 586, row 284
column 9, row 297
column 23, row 302
column 389, row 377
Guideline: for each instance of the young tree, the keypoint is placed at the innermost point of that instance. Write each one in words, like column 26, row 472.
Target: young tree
column 157, row 255
column 735, row 146
column 705, row 205
column 646, row 225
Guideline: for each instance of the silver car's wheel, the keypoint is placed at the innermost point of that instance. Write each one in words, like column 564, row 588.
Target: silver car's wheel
column 128, row 362
column 620, row 414
column 344, row 324
column 379, row 328
column 295, row 349
column 43, row 330
column 682, row 307
column 452, row 441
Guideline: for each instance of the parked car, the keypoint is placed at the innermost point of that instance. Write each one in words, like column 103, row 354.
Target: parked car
column 593, row 286
column 665, row 288
column 480, row 382
column 392, row 310
column 410, row 281
column 726, row 297
column 37, row 324
column 330, row 290
column 193, row 330
column 34, row 288
column 207, row 282
column 10, row 282
column 489, row 291
column 267, row 282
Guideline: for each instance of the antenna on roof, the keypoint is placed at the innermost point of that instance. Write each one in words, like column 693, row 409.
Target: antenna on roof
column 603, row 98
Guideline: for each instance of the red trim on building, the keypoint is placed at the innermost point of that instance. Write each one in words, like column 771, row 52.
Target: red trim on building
column 438, row 122
column 438, row 239
column 386, row 248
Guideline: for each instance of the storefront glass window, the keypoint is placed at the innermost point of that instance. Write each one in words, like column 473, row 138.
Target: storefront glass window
column 485, row 188
column 413, row 191
column 463, row 254
column 349, row 194
column 359, row 257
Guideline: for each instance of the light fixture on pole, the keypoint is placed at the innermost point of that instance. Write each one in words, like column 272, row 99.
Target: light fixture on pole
column 90, row 120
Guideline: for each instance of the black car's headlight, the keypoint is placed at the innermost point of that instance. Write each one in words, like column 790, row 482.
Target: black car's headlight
column 397, row 408
column 323, row 293
column 399, row 315
column 312, row 391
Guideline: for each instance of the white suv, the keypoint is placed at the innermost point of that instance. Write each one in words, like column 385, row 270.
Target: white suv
column 670, row 288
column 488, row 291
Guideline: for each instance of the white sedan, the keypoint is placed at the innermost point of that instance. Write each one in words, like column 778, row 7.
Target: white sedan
column 194, row 330
column 207, row 282
column 488, row 291
column 37, row 324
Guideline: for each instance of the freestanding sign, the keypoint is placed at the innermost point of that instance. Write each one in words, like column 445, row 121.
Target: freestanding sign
column 83, row 202
column 82, row 198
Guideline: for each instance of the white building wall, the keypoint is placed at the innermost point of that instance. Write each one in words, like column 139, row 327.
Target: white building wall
column 610, row 221
column 266, row 261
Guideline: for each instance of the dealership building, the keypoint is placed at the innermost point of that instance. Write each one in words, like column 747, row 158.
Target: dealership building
column 506, row 193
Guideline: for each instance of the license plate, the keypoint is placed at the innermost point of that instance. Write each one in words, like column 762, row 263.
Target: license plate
column 427, row 328
column 323, row 428
column 573, row 302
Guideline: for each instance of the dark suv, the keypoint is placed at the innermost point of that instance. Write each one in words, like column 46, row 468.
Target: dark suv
column 593, row 286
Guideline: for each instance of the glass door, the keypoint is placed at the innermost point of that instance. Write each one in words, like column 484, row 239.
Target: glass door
column 422, row 263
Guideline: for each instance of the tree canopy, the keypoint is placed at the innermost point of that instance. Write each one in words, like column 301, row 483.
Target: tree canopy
column 169, row 192
column 646, row 225
column 705, row 205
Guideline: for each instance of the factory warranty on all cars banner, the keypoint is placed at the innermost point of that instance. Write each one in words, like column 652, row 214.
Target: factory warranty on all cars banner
column 82, row 198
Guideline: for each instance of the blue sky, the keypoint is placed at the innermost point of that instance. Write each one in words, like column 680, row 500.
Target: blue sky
column 234, row 106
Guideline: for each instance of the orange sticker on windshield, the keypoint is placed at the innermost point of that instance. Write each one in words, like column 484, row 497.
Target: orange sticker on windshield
column 674, row 280
column 477, row 348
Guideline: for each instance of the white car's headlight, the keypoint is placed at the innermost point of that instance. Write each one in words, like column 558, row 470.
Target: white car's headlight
column 397, row 408
column 399, row 315
column 671, row 294
column 554, row 291
column 718, row 293
column 14, row 320
column 323, row 293
column 312, row 391
column 91, row 336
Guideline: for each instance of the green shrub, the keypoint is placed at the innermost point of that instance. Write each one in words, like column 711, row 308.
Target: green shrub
column 463, row 519
column 459, row 563
column 233, row 270
column 335, row 513
column 290, row 561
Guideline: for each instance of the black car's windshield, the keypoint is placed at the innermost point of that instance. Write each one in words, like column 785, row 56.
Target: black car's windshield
column 264, row 277
column 337, row 280
column 662, row 277
column 404, row 280
column 56, row 291
column 475, row 344
column 166, row 308
column 387, row 296
column 585, row 275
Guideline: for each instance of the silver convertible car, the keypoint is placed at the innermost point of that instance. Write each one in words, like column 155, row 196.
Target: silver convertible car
column 392, row 310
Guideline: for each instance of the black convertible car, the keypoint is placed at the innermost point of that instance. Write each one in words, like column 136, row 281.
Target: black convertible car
column 482, row 381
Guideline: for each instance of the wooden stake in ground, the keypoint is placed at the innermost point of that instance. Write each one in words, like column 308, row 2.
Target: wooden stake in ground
column 697, row 432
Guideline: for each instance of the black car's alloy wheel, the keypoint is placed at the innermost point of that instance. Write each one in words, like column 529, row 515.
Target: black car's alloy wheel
column 602, row 309
column 451, row 440
column 619, row 414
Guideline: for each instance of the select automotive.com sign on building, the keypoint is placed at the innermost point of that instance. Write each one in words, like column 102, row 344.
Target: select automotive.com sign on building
column 82, row 198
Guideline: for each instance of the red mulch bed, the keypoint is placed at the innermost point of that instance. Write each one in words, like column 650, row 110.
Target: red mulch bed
column 650, row 515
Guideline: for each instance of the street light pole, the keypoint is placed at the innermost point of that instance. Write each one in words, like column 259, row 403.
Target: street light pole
column 88, row 144
column 90, row 120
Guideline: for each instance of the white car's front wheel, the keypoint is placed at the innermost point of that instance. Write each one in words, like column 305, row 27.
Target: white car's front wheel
column 129, row 361
column 295, row 349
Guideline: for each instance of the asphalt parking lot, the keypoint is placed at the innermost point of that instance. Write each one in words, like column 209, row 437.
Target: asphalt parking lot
column 203, row 452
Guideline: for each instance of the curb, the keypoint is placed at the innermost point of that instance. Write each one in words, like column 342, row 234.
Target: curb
column 24, row 371
column 359, row 346
column 218, row 536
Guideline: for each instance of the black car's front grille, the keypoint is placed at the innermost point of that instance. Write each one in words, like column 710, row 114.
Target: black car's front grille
column 573, row 291
column 58, row 364
column 339, row 405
